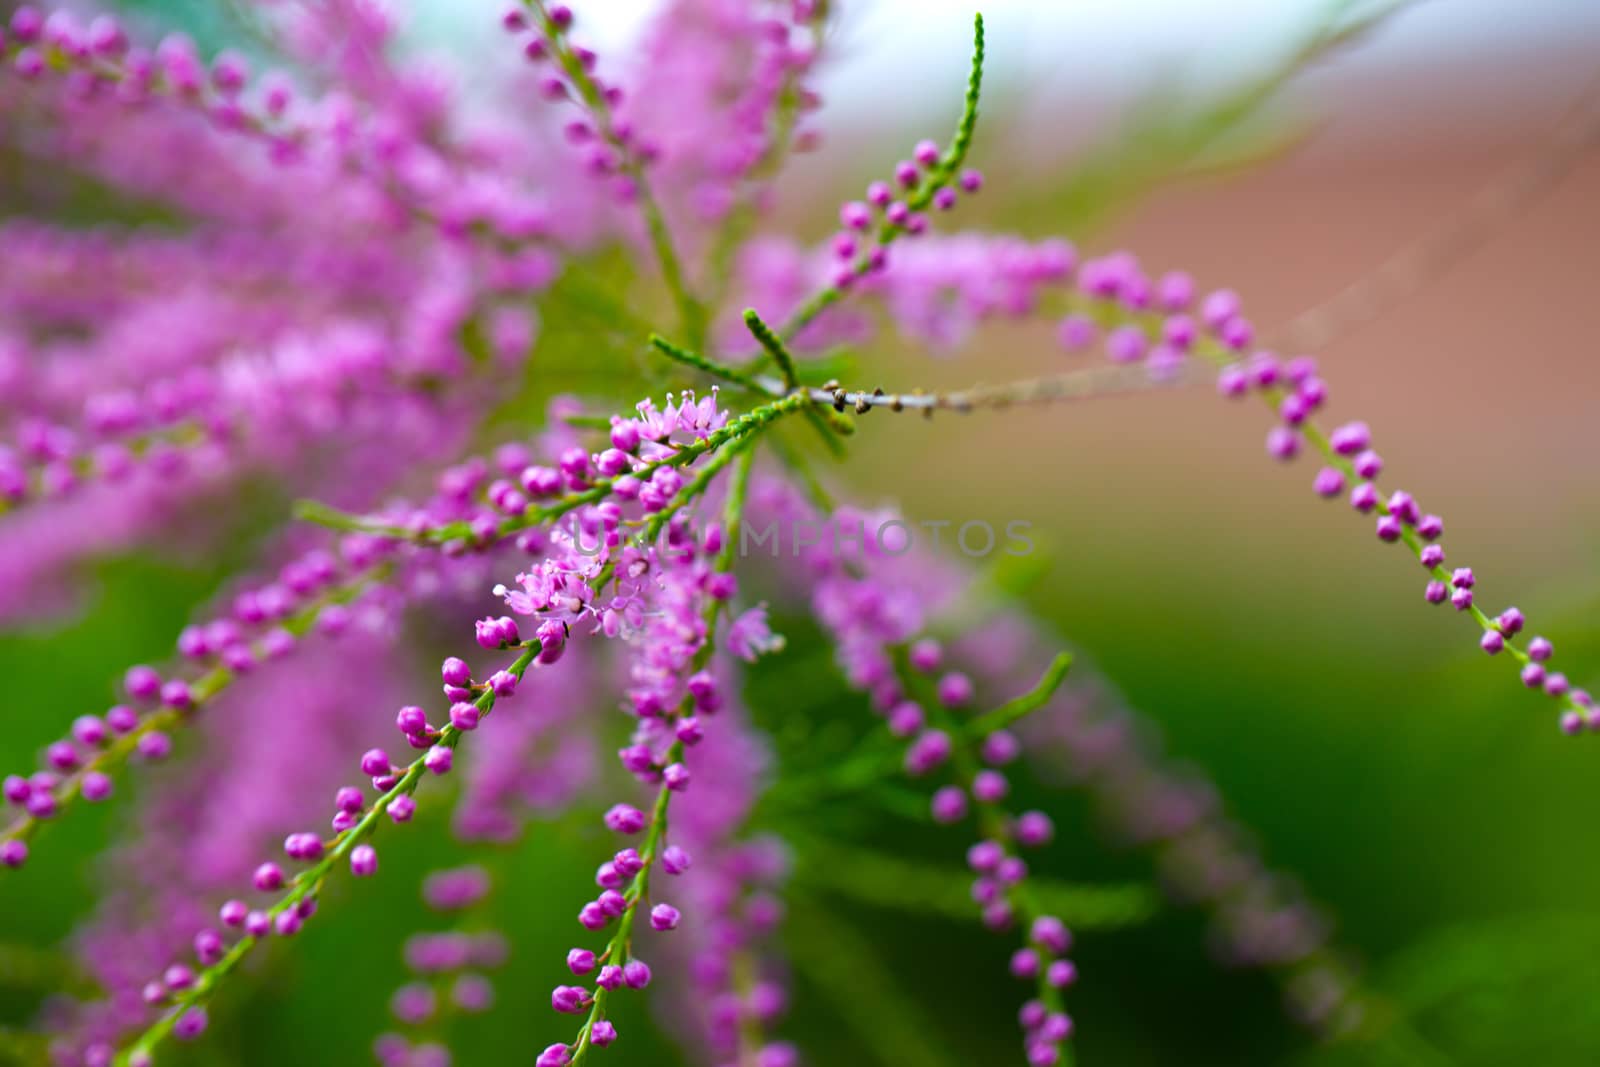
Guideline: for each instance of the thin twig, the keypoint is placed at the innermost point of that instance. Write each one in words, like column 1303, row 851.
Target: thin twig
column 1484, row 215
column 1052, row 389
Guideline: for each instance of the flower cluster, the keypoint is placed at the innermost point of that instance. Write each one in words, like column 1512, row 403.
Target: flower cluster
column 266, row 622
column 446, row 971
column 733, row 992
column 878, row 625
column 285, row 898
column 396, row 156
column 673, row 591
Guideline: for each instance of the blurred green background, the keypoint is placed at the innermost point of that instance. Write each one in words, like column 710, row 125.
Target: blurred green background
column 1423, row 797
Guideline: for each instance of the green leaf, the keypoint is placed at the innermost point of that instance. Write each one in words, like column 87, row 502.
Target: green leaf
column 21, row 1047
column 847, row 970
column 875, row 878
column 1519, row 990
column 29, row 967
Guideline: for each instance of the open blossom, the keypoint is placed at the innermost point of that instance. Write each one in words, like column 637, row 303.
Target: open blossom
column 555, row 589
column 675, row 423
column 749, row 636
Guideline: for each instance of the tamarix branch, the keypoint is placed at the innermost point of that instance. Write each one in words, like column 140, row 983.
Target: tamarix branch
column 429, row 316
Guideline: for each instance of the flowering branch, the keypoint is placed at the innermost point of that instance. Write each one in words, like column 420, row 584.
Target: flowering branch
column 1164, row 339
column 596, row 1029
column 752, row 422
column 554, row 21
column 123, row 733
column 175, row 74
column 284, row 916
column 935, row 189
column 634, row 973
column 1001, row 887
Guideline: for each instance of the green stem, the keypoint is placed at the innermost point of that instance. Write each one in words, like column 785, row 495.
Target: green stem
column 1024, row 705
column 774, row 346
column 732, row 375
column 620, row 947
column 750, row 423
column 993, row 822
column 825, row 421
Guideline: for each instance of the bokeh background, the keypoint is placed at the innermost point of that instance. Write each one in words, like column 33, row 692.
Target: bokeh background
column 1420, row 794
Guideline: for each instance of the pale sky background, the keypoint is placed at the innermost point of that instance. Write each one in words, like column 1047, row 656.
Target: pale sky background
column 1079, row 41
column 1466, row 65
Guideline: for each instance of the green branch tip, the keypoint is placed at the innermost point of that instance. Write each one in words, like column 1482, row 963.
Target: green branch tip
column 774, row 346
column 1027, row 703
column 688, row 358
column 828, row 424
column 969, row 108
column 587, row 422
column 322, row 514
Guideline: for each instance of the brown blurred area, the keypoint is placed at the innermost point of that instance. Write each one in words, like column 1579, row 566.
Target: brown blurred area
column 1482, row 388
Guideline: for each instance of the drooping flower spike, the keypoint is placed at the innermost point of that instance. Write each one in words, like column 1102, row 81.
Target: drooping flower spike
column 875, row 623
column 311, row 597
column 446, row 971
column 931, row 181
column 672, row 692
column 1163, row 323
column 1001, row 888
column 99, row 60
